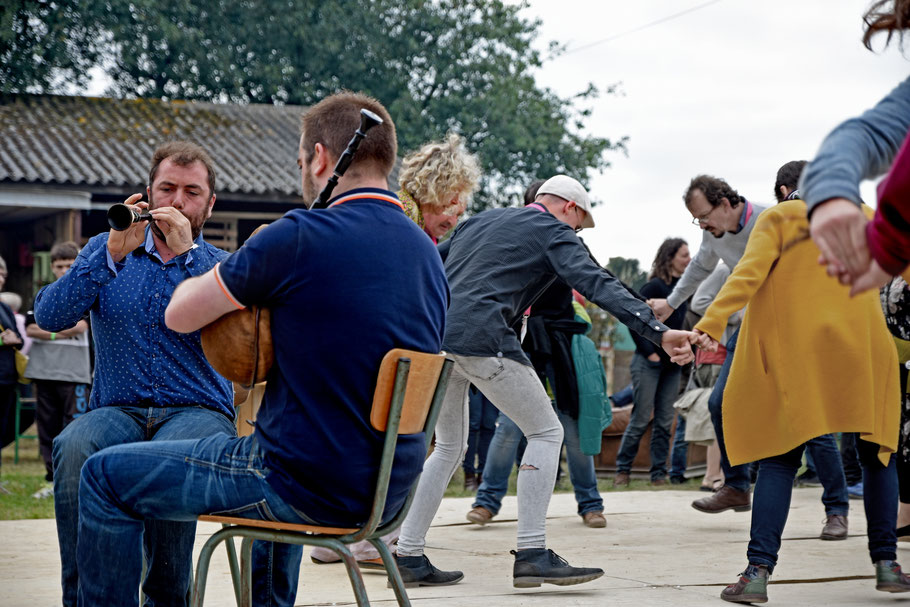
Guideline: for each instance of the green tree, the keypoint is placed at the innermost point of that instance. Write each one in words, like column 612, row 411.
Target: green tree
column 628, row 271
column 46, row 45
column 438, row 65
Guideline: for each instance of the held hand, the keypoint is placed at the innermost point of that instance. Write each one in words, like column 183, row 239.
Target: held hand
column 678, row 344
column 838, row 227
column 10, row 338
column 654, row 358
column 178, row 232
column 704, row 341
column 121, row 243
column 661, row 309
column 873, row 278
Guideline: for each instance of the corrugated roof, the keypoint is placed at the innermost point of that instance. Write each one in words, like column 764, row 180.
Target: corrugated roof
column 92, row 141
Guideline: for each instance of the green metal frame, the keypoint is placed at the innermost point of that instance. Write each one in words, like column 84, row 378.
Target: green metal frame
column 30, row 404
column 373, row 530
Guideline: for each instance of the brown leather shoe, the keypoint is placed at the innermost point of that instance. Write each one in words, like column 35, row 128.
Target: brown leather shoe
column 835, row 528
column 621, row 480
column 658, row 482
column 479, row 515
column 595, row 520
column 470, row 482
column 726, row 498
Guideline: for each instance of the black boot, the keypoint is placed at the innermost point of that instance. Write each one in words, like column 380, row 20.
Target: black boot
column 470, row 481
column 537, row 566
column 418, row 571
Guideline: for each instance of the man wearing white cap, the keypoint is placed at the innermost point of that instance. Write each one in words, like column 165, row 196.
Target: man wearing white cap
column 498, row 263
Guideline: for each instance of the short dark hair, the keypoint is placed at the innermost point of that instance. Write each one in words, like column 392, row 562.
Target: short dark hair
column 531, row 192
column 788, row 175
column 714, row 189
column 332, row 123
column 183, row 154
column 64, row 250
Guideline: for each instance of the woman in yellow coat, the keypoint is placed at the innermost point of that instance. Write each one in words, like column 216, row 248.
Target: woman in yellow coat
column 810, row 360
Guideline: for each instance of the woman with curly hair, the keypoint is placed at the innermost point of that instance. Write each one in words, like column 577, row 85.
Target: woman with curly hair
column 437, row 182
column 655, row 379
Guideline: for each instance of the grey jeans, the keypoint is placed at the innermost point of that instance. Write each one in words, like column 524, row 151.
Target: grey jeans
column 516, row 391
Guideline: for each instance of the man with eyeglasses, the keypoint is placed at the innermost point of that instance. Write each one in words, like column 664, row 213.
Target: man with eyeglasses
column 498, row 263
column 728, row 219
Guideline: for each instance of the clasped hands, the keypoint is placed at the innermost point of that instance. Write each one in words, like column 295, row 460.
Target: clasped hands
column 838, row 227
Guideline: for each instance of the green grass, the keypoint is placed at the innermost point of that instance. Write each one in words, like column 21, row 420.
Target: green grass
column 26, row 477
column 22, row 480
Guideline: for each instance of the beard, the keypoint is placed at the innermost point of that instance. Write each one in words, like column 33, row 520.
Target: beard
column 310, row 189
column 196, row 221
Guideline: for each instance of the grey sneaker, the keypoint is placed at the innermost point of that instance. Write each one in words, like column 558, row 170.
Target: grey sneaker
column 536, row 566
column 752, row 586
column 890, row 578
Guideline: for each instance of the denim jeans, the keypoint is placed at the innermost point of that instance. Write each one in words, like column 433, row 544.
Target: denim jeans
column 175, row 480
column 502, row 453
column 516, row 391
column 850, row 459
column 481, row 426
column 830, row 471
column 774, row 488
column 168, row 545
column 735, row 477
column 656, row 386
column 680, row 450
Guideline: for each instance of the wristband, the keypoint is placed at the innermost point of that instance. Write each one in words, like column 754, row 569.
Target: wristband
column 53, row 336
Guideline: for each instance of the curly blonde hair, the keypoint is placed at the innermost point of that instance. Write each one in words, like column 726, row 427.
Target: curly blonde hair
column 437, row 172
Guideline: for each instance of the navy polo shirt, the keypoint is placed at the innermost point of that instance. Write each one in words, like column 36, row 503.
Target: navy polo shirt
column 345, row 285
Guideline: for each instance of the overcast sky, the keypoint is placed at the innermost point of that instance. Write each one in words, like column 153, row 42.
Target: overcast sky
column 734, row 89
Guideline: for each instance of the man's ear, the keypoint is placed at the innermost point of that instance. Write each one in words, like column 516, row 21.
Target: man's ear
column 724, row 199
column 321, row 161
column 211, row 206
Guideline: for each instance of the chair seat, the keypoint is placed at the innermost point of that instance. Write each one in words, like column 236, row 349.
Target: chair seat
column 250, row 522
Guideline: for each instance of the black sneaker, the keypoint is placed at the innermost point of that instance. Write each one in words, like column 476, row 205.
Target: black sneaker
column 419, row 571
column 537, row 566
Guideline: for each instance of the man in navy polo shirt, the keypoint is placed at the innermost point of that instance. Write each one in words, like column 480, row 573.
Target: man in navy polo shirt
column 313, row 455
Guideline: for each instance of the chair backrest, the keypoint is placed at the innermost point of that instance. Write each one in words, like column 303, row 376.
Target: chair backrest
column 408, row 395
column 422, row 377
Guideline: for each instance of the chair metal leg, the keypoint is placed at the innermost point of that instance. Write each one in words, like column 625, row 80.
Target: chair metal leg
column 235, row 568
column 202, row 565
column 391, row 567
column 246, row 572
column 350, row 563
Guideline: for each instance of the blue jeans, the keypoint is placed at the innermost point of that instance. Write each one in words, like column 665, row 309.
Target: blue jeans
column 830, row 471
column 774, row 488
column 482, row 416
column 176, row 480
column 680, row 450
column 501, row 456
column 168, row 545
column 735, row 477
column 656, row 386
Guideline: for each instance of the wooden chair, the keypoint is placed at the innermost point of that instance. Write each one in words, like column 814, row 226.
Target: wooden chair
column 409, row 391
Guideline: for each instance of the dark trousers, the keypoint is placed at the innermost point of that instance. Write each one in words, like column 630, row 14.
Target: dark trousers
column 736, row 477
column 57, row 403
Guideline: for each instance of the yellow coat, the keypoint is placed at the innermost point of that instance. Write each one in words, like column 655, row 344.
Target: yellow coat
column 810, row 359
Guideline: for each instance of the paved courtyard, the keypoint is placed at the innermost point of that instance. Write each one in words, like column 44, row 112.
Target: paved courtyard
column 656, row 550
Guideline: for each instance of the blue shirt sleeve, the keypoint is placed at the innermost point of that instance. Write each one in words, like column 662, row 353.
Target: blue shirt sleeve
column 259, row 272
column 859, row 148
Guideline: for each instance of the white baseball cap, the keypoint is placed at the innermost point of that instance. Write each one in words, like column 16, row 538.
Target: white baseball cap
column 571, row 190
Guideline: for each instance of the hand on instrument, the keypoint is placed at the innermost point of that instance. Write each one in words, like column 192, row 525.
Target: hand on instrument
column 121, row 242
column 178, row 232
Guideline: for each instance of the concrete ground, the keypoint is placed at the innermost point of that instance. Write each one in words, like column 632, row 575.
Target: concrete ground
column 656, row 550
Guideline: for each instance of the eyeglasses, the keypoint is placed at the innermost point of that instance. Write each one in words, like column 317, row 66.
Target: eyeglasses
column 703, row 218
column 579, row 227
